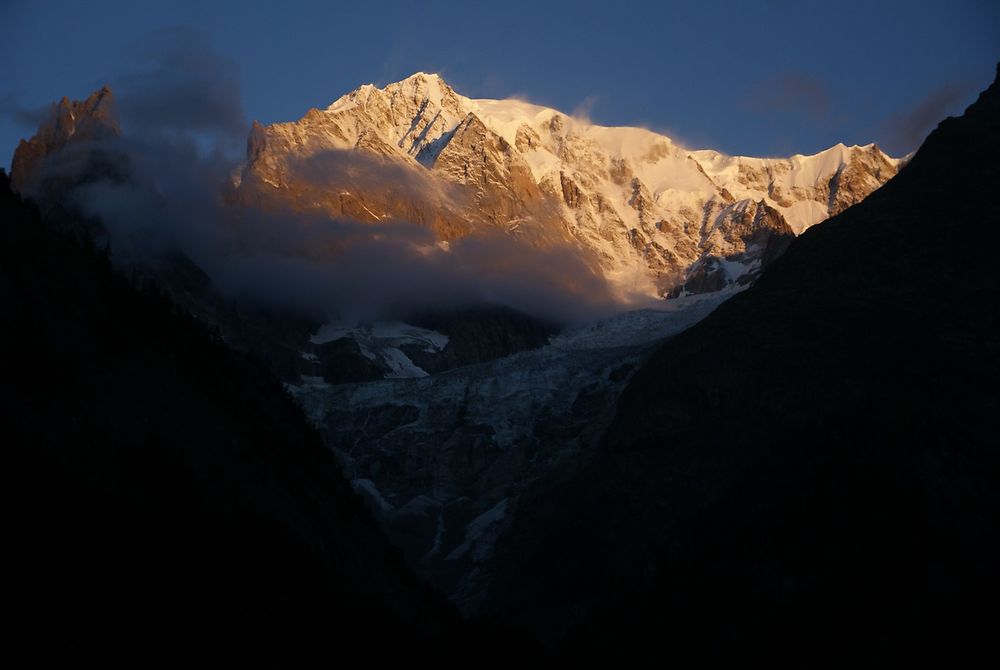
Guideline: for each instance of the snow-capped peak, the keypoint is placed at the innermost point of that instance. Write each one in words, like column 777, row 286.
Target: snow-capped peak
column 648, row 209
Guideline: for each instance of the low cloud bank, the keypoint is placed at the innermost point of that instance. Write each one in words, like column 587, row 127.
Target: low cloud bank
column 181, row 116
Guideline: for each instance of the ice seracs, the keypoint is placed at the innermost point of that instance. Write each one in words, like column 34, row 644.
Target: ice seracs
column 654, row 217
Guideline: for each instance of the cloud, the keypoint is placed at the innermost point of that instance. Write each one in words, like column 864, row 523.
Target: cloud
column 906, row 131
column 168, row 194
column 179, row 84
column 322, row 267
column 360, row 171
column 27, row 117
column 791, row 92
column 582, row 111
column 395, row 270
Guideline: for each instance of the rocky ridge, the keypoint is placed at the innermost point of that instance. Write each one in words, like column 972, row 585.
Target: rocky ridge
column 68, row 124
column 652, row 215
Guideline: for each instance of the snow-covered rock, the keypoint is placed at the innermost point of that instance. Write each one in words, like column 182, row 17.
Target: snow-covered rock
column 651, row 214
column 69, row 123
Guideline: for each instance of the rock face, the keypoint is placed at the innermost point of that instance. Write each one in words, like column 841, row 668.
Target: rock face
column 495, row 171
column 654, row 216
column 743, row 240
column 69, row 124
column 477, row 335
column 864, row 171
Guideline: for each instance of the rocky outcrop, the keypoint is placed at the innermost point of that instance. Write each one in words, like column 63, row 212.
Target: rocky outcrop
column 477, row 157
column 70, row 124
column 743, row 226
column 866, row 169
column 477, row 335
column 741, row 240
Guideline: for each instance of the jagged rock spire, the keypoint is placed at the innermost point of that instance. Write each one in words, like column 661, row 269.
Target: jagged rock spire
column 68, row 122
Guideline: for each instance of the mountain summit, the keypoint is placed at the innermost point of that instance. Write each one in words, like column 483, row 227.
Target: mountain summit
column 652, row 215
column 68, row 124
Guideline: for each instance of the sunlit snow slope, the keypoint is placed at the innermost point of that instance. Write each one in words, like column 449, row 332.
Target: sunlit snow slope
column 652, row 215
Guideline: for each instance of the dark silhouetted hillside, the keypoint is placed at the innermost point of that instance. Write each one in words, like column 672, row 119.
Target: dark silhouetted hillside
column 811, row 473
column 167, row 502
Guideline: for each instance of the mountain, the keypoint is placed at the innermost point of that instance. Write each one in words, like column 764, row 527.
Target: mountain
column 167, row 501
column 651, row 215
column 79, row 154
column 808, row 474
column 69, row 125
column 782, row 463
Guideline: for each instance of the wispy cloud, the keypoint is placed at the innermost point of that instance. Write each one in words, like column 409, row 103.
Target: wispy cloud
column 791, row 92
column 906, row 130
column 20, row 115
column 178, row 83
column 583, row 110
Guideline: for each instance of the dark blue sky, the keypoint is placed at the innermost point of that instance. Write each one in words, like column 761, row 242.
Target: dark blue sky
column 762, row 78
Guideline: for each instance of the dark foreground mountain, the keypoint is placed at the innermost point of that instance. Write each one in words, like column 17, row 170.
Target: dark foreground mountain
column 812, row 471
column 167, row 501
